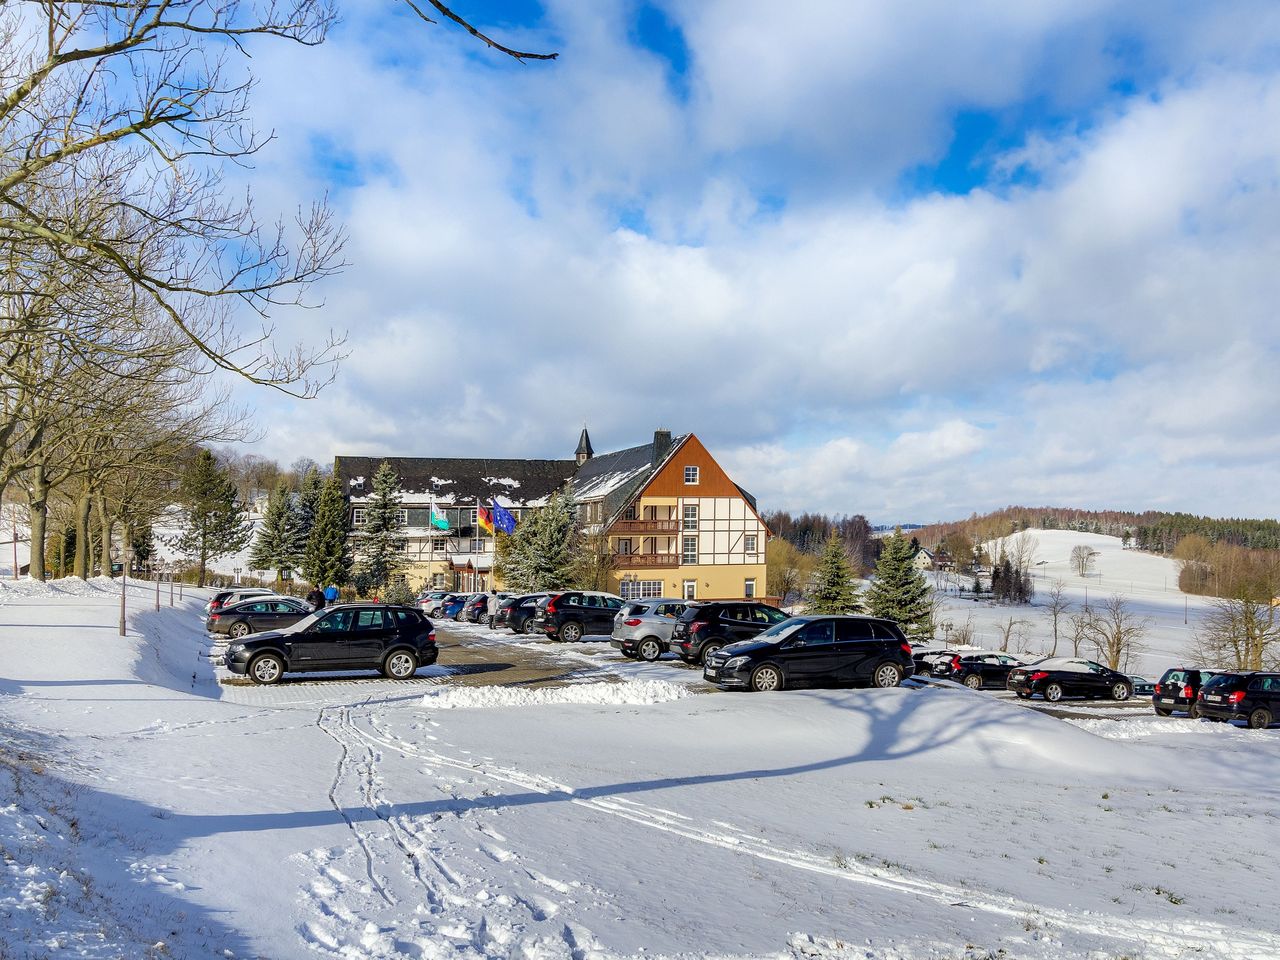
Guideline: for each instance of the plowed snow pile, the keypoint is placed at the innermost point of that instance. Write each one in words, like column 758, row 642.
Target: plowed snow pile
column 629, row 692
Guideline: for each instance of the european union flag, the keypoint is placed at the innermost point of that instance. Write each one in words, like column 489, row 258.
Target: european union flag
column 503, row 518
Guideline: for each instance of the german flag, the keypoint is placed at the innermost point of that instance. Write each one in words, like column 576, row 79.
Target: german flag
column 484, row 516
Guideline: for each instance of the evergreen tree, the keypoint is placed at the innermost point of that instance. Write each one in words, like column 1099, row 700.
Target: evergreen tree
column 543, row 552
column 899, row 591
column 327, row 558
column 380, row 543
column 308, row 502
column 211, row 524
column 279, row 543
column 833, row 589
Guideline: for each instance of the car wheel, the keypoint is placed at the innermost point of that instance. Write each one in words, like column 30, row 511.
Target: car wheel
column 1260, row 719
column 571, row 632
column 1193, row 712
column 401, row 665
column 887, row 675
column 527, row 627
column 649, row 649
column 1121, row 691
column 766, row 678
column 709, row 649
column 1165, row 712
column 973, row 682
column 266, row 668
column 1053, row 692
column 457, row 617
column 1022, row 696
column 238, row 630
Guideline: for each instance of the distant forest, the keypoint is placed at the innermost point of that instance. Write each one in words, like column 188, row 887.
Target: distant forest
column 809, row 532
column 1151, row 530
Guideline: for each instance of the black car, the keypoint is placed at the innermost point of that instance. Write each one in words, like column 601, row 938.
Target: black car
column 1251, row 696
column 846, row 650
column 395, row 640
column 515, row 614
column 1179, row 689
column 977, row 670
column 1060, row 677
column 254, row 616
column 571, row 615
column 706, row 627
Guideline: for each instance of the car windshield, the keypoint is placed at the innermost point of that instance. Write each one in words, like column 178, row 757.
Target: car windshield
column 302, row 624
column 784, row 629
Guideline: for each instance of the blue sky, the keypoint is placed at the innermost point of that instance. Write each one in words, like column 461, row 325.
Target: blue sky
column 910, row 260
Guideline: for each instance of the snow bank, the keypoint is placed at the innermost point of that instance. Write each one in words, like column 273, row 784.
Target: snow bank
column 1150, row 727
column 628, row 692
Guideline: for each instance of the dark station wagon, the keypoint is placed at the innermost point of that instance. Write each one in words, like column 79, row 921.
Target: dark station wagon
column 1251, row 696
column 394, row 640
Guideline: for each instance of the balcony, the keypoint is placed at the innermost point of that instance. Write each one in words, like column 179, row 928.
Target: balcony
column 646, row 526
column 646, row 561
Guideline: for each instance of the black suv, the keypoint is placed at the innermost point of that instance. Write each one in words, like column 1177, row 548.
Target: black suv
column 568, row 616
column 846, row 650
column 1251, row 696
column 706, row 627
column 517, row 612
column 977, row 670
column 395, row 640
column 1179, row 688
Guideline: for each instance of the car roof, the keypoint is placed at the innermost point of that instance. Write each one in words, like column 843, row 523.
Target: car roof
column 658, row 600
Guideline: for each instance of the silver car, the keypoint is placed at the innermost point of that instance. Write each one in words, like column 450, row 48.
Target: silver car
column 642, row 628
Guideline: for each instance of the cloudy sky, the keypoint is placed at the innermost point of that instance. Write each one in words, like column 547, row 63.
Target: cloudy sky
column 905, row 259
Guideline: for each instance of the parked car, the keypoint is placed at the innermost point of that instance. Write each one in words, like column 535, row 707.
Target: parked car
column 642, row 628
column 1057, row 677
column 254, row 616
column 1142, row 687
column 452, row 608
column 430, row 598
column 977, row 670
column 519, row 615
column 1178, row 689
column 225, row 598
column 477, row 608
column 1251, row 696
column 395, row 640
column 924, row 657
column 434, row 606
column 571, row 615
column 705, row 627
column 845, row 650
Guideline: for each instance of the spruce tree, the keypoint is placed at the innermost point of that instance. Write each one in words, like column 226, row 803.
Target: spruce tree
column 279, row 543
column 899, row 591
column 380, row 543
column 543, row 552
column 309, row 488
column 211, row 524
column 833, row 589
column 327, row 558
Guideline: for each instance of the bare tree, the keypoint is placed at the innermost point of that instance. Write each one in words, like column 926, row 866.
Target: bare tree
column 1010, row 631
column 1082, row 559
column 1116, row 632
column 1242, row 633
column 1056, row 609
column 1081, row 630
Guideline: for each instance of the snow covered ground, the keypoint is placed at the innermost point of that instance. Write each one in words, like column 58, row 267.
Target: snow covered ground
column 148, row 810
column 1148, row 582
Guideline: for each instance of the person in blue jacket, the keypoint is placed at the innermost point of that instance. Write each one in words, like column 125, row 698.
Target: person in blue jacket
column 330, row 593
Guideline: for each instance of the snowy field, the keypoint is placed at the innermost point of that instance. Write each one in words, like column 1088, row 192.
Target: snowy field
column 149, row 810
column 1148, row 582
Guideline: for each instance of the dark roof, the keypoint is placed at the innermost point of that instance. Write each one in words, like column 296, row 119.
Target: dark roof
column 454, row 480
column 584, row 445
column 617, row 477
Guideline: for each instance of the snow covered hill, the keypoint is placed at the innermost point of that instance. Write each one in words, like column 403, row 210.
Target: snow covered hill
column 149, row 814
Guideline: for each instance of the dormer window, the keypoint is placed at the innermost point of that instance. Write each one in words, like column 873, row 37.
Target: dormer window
column 691, row 475
column 629, row 513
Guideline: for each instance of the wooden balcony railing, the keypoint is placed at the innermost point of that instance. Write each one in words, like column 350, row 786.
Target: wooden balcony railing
column 646, row 561
column 646, row 526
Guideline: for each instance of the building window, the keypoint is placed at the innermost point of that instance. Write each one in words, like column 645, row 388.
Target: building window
column 629, row 513
column 691, row 590
column 624, row 546
column 690, row 474
column 749, row 588
column 749, row 543
column 639, row 589
column 402, row 517
column 357, row 517
column 690, row 517
column 690, row 552
column 479, row 545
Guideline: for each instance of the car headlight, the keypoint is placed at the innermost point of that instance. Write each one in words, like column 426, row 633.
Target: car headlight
column 236, row 648
column 735, row 663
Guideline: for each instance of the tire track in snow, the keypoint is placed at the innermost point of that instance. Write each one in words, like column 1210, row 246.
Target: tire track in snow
column 1174, row 939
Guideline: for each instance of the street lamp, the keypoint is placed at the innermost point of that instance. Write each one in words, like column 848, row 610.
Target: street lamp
column 124, row 576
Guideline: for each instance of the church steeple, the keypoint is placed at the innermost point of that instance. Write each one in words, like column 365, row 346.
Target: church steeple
column 584, row 451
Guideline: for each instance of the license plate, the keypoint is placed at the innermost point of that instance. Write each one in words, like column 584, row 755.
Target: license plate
column 1214, row 698
column 708, row 674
